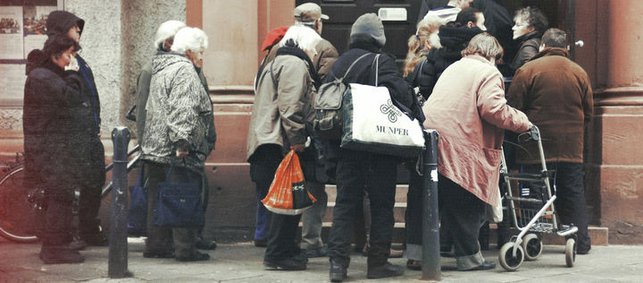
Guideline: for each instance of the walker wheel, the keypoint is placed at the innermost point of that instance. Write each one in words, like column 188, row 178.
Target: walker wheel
column 507, row 259
column 570, row 252
column 533, row 247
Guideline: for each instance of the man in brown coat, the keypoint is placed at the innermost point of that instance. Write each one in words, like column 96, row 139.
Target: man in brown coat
column 556, row 95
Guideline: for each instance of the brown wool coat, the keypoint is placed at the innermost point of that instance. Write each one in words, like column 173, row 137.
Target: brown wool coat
column 556, row 95
column 469, row 111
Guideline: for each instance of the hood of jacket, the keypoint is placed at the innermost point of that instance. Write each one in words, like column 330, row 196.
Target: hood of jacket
column 552, row 51
column 59, row 22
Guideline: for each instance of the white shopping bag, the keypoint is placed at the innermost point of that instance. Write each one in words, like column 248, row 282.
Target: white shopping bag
column 373, row 123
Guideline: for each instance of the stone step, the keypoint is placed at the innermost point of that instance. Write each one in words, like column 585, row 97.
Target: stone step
column 599, row 235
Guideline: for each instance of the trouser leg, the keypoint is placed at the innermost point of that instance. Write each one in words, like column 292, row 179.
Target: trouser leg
column 263, row 166
column 570, row 201
column 350, row 189
column 281, row 237
column 312, row 218
column 463, row 213
column 58, row 216
column 381, row 193
column 413, row 214
column 90, row 193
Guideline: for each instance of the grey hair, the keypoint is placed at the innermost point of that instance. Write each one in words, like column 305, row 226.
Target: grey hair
column 554, row 37
column 189, row 38
column 485, row 45
column 166, row 31
column 304, row 37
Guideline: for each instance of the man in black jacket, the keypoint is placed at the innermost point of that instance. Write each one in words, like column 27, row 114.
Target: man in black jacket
column 359, row 171
column 92, row 169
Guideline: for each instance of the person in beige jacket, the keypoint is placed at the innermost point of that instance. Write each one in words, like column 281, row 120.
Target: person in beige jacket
column 469, row 110
column 282, row 107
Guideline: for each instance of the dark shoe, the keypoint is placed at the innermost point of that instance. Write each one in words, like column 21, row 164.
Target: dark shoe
column 97, row 240
column 414, row 264
column 261, row 243
column 484, row 266
column 203, row 244
column 196, row 256
column 384, row 271
column 338, row 272
column 60, row 254
column 291, row 263
column 77, row 244
column 315, row 252
column 582, row 250
column 164, row 254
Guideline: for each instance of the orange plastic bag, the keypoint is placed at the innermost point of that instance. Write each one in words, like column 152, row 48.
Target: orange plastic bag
column 287, row 194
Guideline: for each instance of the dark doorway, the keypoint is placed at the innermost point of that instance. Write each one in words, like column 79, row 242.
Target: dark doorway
column 398, row 27
column 399, row 18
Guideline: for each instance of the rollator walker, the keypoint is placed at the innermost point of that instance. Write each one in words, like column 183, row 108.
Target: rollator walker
column 531, row 210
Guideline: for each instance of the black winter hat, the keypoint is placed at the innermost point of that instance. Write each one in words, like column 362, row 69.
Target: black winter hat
column 59, row 22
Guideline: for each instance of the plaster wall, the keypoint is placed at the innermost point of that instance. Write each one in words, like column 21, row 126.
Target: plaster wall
column 139, row 23
column 101, row 42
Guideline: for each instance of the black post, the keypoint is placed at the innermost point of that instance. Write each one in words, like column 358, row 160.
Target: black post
column 117, row 266
column 431, row 219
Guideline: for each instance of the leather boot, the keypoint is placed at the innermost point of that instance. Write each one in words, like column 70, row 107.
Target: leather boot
column 378, row 265
column 338, row 272
column 60, row 254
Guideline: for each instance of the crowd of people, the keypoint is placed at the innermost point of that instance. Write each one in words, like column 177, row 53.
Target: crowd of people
column 453, row 80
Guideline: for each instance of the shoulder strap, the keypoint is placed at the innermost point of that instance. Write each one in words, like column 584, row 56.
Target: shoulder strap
column 272, row 76
column 376, row 61
column 353, row 64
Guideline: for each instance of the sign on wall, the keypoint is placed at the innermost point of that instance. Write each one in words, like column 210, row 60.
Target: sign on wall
column 22, row 29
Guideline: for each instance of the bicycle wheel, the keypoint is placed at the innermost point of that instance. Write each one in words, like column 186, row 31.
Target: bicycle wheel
column 18, row 214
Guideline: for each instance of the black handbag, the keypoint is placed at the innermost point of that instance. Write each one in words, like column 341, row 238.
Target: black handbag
column 179, row 204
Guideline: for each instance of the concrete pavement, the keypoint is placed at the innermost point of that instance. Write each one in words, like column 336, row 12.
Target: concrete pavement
column 242, row 262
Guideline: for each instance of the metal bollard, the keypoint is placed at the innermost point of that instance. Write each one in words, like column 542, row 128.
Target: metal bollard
column 117, row 265
column 431, row 220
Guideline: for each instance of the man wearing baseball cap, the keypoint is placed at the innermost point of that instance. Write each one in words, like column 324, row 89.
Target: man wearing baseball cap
column 310, row 15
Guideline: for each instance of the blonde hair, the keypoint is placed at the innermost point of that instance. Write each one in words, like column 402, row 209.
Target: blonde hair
column 427, row 32
column 485, row 45
column 304, row 37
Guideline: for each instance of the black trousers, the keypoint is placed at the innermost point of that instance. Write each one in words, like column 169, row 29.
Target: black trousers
column 57, row 218
column 461, row 214
column 282, row 229
column 90, row 192
column 570, row 197
column 414, row 211
column 356, row 172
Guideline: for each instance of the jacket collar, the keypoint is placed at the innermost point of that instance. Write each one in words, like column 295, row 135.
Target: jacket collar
column 552, row 51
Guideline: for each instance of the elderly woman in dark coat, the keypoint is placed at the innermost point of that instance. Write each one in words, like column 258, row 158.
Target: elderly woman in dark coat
column 54, row 131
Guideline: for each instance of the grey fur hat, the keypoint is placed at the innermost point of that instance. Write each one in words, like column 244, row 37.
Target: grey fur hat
column 371, row 25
